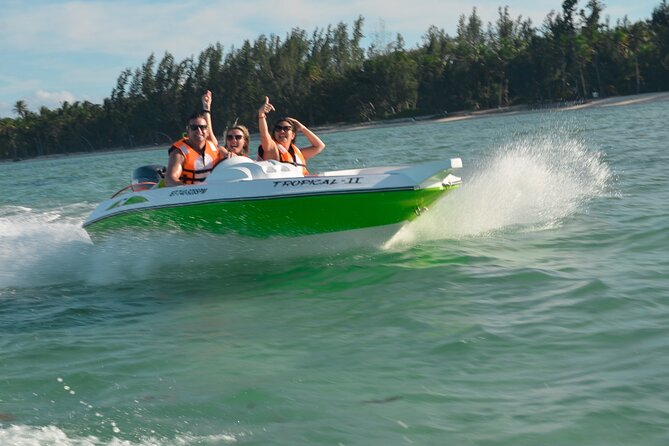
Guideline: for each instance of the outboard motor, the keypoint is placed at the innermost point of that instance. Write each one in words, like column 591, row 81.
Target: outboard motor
column 152, row 173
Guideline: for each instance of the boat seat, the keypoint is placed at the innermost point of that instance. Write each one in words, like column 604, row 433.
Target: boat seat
column 241, row 168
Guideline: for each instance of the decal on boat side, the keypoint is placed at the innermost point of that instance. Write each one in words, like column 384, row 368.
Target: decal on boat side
column 194, row 191
column 317, row 182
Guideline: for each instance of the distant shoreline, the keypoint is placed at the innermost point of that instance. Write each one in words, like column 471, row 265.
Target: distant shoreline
column 614, row 101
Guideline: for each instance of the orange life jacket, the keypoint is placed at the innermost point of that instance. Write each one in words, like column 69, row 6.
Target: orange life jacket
column 196, row 168
column 293, row 156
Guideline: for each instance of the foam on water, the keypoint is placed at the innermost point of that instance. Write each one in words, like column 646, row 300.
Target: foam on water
column 43, row 248
column 108, row 432
column 22, row 435
column 38, row 247
column 534, row 182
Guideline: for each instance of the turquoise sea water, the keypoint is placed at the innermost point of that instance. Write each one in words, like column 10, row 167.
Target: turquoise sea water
column 530, row 307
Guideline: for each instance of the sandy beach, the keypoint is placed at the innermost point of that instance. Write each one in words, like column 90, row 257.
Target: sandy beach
column 515, row 109
column 592, row 103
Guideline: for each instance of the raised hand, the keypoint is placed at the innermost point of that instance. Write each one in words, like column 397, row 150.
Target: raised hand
column 206, row 101
column 265, row 108
column 297, row 124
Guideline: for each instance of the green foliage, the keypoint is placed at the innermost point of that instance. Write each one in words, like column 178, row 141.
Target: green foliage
column 327, row 77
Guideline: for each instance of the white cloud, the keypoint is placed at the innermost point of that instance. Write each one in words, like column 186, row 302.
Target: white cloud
column 40, row 98
column 135, row 28
column 56, row 98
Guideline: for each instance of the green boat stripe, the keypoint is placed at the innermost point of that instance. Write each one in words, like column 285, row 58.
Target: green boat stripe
column 264, row 217
column 260, row 198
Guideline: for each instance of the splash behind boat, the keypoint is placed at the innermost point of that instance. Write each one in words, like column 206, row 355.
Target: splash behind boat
column 272, row 199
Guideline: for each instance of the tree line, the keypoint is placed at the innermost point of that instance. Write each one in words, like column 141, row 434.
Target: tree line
column 326, row 77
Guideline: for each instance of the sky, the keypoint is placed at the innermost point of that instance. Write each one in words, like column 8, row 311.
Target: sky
column 58, row 50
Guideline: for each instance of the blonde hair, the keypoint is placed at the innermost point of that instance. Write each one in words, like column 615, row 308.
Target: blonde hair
column 247, row 137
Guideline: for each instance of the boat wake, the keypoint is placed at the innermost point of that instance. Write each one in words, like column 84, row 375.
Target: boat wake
column 42, row 249
column 533, row 183
column 39, row 248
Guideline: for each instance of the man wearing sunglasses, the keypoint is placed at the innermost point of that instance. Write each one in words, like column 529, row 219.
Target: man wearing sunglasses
column 193, row 157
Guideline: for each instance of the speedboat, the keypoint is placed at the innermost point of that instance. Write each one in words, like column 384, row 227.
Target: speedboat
column 264, row 199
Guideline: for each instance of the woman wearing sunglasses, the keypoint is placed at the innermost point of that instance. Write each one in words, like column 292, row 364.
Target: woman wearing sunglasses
column 280, row 144
column 237, row 138
column 193, row 157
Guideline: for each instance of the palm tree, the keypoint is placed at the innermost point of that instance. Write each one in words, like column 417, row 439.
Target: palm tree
column 21, row 109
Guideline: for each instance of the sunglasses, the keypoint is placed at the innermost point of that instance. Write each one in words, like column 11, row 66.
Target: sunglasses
column 237, row 137
column 285, row 128
column 194, row 127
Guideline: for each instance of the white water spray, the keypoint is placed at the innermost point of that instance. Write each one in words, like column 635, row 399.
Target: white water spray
column 534, row 182
column 39, row 248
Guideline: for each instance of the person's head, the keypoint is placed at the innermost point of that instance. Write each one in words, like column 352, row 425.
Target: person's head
column 284, row 132
column 237, row 140
column 197, row 129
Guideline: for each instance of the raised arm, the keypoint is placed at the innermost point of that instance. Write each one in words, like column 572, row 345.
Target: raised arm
column 270, row 150
column 316, row 146
column 207, row 99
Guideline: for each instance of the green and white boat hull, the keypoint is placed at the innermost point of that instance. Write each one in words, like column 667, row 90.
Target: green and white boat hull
column 270, row 199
